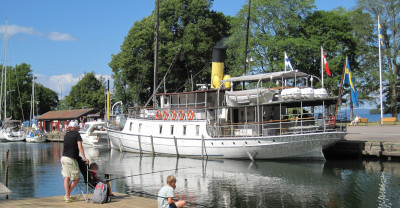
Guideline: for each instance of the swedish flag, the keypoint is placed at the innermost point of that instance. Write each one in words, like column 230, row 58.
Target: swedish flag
column 348, row 79
column 380, row 33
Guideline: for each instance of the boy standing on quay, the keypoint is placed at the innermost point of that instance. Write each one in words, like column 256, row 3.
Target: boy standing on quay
column 166, row 194
column 70, row 169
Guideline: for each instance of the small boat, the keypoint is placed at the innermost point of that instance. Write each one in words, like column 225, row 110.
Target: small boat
column 93, row 133
column 36, row 136
column 12, row 131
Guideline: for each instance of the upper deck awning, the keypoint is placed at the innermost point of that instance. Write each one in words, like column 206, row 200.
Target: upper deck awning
column 267, row 76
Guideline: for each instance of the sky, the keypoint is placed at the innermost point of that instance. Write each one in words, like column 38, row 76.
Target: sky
column 62, row 40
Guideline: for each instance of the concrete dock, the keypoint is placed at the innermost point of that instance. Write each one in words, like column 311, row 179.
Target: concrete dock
column 373, row 141
column 120, row 200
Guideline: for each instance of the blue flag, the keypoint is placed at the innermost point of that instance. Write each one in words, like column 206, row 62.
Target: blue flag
column 287, row 63
column 380, row 33
column 348, row 79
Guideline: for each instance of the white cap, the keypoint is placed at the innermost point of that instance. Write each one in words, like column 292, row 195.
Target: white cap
column 72, row 124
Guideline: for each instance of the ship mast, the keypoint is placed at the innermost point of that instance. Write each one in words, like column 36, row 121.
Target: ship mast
column 156, row 55
column 247, row 41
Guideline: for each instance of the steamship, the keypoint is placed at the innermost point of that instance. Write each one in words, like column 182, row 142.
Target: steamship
column 274, row 116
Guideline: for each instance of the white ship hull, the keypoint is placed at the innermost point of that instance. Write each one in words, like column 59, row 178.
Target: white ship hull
column 301, row 146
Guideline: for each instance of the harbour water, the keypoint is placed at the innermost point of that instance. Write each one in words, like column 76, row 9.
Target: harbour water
column 35, row 171
column 364, row 113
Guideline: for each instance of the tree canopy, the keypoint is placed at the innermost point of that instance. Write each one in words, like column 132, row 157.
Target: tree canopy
column 388, row 12
column 89, row 92
column 19, row 92
column 188, row 31
column 301, row 31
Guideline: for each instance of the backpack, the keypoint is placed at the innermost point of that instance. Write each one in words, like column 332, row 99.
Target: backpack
column 100, row 194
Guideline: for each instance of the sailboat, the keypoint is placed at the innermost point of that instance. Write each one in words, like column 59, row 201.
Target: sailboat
column 34, row 135
column 11, row 130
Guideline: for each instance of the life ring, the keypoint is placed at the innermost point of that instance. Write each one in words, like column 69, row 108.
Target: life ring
column 158, row 115
column 165, row 115
column 190, row 114
column 181, row 115
column 173, row 115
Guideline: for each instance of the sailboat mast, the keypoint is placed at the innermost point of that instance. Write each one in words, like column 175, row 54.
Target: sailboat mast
column 5, row 73
column 156, row 55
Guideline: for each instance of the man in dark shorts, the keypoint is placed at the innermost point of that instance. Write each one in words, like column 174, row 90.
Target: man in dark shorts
column 72, row 148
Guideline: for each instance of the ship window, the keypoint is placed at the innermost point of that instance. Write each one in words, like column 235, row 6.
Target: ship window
column 130, row 126
column 160, row 129
column 197, row 130
column 184, row 130
column 172, row 129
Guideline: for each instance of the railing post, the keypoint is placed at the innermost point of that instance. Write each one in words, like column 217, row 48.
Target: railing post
column 140, row 144
column 202, row 146
column 176, row 146
column 152, row 145
column 6, row 172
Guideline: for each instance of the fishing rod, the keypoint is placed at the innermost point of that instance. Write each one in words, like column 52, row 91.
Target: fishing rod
column 153, row 195
column 111, row 179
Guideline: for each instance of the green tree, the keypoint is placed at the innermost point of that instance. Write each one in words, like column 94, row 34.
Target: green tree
column 274, row 24
column 300, row 32
column 188, row 29
column 88, row 92
column 366, row 74
column 19, row 92
column 47, row 99
column 388, row 12
column 334, row 32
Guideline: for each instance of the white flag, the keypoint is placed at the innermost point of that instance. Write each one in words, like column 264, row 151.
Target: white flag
column 287, row 63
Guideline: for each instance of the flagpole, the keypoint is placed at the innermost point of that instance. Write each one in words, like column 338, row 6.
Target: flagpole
column 284, row 59
column 380, row 67
column 340, row 90
column 322, row 69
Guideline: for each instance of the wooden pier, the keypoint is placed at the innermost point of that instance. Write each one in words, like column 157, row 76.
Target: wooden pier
column 55, row 136
column 120, row 200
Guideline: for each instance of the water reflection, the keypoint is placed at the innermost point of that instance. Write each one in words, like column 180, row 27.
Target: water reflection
column 34, row 171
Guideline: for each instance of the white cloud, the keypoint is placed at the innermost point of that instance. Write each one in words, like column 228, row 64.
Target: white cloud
column 56, row 36
column 63, row 83
column 15, row 29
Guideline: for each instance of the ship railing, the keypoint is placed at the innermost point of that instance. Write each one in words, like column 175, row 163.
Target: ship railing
column 276, row 127
column 175, row 113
